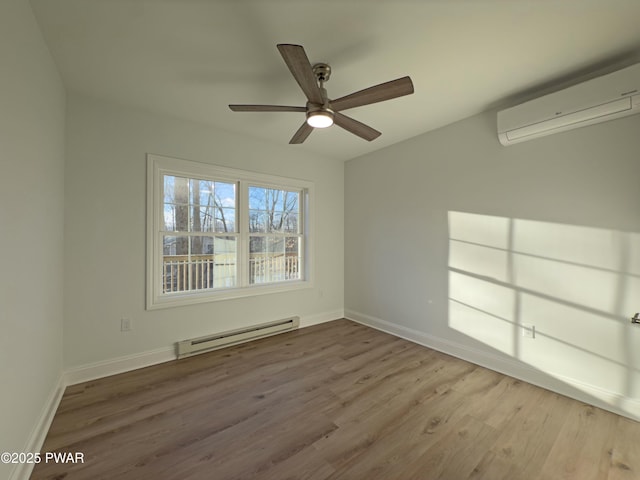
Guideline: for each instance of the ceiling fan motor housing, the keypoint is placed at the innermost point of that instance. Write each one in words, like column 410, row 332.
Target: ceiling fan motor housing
column 322, row 71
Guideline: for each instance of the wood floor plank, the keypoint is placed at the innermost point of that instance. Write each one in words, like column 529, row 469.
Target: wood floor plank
column 396, row 442
column 625, row 453
column 458, row 452
column 581, row 451
column 333, row 401
column 526, row 440
column 515, row 396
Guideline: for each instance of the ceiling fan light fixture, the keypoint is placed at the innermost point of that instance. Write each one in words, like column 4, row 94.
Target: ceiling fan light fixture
column 320, row 118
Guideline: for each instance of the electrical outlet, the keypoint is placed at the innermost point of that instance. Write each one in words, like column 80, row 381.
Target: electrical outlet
column 528, row 330
column 125, row 324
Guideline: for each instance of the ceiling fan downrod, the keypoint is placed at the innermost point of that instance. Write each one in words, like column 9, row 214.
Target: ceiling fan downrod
column 320, row 116
column 322, row 71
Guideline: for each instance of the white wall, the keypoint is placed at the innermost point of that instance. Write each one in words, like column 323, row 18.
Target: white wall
column 105, row 232
column 31, row 217
column 455, row 241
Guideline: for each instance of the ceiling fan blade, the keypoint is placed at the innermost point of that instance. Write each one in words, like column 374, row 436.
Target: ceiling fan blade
column 356, row 127
column 266, row 108
column 298, row 63
column 301, row 135
column 378, row 93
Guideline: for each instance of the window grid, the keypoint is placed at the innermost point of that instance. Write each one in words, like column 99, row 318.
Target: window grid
column 211, row 246
column 274, row 234
column 196, row 257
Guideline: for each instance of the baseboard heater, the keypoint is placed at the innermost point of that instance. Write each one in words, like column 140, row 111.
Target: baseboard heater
column 195, row 346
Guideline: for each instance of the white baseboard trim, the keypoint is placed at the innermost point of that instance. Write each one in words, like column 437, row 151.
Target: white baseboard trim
column 587, row 393
column 309, row 320
column 40, row 429
column 105, row 368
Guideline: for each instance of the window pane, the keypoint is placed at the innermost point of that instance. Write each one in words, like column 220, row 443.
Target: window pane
column 225, row 219
column 202, row 219
column 175, row 245
column 273, row 259
column 201, row 192
column 275, row 221
column 201, row 263
column 198, row 263
column 196, row 205
column 225, row 194
column 290, row 223
column 292, row 202
column 175, row 264
column 176, row 217
column 257, row 221
column 169, row 195
column 282, row 222
column 224, row 202
column 225, row 261
column 293, row 255
column 207, row 192
column 292, row 246
column 176, row 189
column 273, row 210
column 212, row 262
column 257, row 198
column 169, row 217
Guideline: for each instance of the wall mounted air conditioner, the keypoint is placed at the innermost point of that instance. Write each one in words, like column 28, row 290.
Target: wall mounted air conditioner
column 597, row 100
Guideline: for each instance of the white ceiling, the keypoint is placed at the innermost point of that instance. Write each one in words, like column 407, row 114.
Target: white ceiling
column 191, row 58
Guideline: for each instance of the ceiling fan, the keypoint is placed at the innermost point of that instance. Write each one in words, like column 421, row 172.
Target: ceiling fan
column 321, row 111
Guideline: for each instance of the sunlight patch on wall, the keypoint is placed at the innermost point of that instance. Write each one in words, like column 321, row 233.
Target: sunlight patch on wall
column 482, row 310
column 577, row 285
column 479, row 229
column 587, row 246
column 486, row 261
column 574, row 343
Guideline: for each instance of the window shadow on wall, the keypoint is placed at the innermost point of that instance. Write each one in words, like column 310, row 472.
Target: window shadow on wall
column 570, row 289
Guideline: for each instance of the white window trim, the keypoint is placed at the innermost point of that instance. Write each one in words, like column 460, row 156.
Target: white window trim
column 157, row 166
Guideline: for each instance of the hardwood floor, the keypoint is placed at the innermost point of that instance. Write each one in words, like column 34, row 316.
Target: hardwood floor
column 333, row 401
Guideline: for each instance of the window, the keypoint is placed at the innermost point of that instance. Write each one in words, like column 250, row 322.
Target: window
column 217, row 233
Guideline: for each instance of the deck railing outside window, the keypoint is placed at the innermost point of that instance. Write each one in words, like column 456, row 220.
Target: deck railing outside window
column 182, row 273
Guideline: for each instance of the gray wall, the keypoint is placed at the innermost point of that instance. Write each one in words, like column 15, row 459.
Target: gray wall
column 105, row 205
column 455, row 241
column 32, row 102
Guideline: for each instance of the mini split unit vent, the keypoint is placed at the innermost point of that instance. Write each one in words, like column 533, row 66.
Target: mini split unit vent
column 603, row 98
